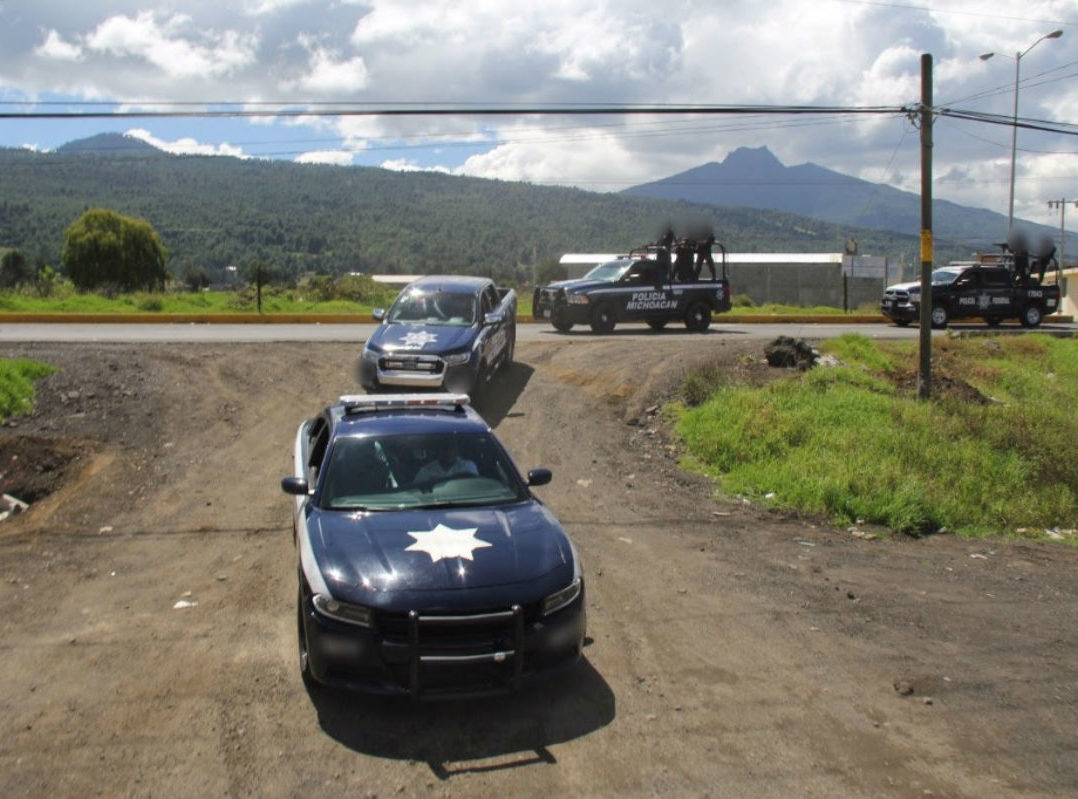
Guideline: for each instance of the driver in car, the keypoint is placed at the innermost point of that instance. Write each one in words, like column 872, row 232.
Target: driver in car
column 447, row 463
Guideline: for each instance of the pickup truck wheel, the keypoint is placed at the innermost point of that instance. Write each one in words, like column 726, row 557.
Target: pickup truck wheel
column 698, row 317
column 560, row 321
column 656, row 324
column 1032, row 316
column 940, row 317
column 602, row 318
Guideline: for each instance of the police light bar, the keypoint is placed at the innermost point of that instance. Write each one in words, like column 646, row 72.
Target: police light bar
column 354, row 403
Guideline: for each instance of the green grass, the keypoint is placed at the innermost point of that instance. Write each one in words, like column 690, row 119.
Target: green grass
column 854, row 443
column 17, row 376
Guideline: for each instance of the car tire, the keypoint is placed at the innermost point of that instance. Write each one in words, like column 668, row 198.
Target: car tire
column 559, row 318
column 656, row 324
column 309, row 681
column 1032, row 316
column 602, row 318
column 698, row 317
column 940, row 316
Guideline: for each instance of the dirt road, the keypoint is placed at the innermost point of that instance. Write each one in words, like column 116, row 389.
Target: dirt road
column 148, row 628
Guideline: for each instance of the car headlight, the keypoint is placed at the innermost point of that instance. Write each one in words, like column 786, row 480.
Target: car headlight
column 457, row 358
column 342, row 611
column 577, row 299
column 370, row 355
column 559, row 599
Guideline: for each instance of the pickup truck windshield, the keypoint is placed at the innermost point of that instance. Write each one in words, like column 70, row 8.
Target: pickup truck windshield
column 437, row 308
column 610, row 271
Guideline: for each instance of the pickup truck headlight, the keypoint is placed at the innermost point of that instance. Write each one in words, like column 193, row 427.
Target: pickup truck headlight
column 457, row 358
column 577, row 299
column 370, row 355
column 342, row 611
column 559, row 599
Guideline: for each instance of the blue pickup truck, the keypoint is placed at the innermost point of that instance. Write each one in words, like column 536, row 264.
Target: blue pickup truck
column 444, row 333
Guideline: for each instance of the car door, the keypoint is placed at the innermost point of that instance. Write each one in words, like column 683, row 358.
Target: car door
column 998, row 293
column 966, row 294
column 492, row 336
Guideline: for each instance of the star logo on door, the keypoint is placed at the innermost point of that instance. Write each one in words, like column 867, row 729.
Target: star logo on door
column 446, row 542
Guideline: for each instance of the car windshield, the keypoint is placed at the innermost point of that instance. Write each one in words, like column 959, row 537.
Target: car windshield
column 403, row 472
column 433, row 307
column 943, row 277
column 610, row 271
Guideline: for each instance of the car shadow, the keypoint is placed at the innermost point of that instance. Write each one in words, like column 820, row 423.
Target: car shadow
column 638, row 330
column 461, row 736
column 501, row 394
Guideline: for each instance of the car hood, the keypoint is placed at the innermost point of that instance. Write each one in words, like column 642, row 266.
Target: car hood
column 578, row 284
column 913, row 284
column 398, row 337
column 436, row 550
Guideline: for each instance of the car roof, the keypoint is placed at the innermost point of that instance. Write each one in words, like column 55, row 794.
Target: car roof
column 400, row 414
column 456, row 284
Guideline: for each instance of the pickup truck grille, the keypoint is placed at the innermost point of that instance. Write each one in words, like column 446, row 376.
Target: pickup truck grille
column 898, row 295
column 407, row 362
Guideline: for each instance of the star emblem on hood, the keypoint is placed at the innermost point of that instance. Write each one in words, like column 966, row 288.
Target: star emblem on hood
column 446, row 542
column 419, row 339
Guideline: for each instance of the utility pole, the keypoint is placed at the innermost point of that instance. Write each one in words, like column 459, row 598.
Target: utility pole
column 924, row 373
column 1062, row 206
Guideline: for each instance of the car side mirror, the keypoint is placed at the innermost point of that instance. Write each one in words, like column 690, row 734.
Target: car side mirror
column 378, row 314
column 539, row 477
column 295, row 485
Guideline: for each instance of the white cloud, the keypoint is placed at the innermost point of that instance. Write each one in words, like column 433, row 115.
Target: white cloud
column 186, row 145
column 334, row 157
column 327, row 74
column 165, row 45
column 404, row 165
column 55, row 47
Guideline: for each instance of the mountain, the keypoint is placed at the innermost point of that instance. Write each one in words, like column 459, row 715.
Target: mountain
column 109, row 144
column 213, row 212
column 754, row 177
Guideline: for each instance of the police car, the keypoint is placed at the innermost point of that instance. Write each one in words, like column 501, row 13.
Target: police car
column 426, row 565
column 627, row 289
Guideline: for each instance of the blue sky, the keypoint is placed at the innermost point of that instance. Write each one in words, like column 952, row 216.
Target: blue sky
column 136, row 55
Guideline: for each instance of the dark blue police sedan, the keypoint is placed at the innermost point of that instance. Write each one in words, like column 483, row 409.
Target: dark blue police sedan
column 426, row 565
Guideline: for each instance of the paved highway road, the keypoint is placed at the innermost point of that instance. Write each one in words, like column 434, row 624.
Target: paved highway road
column 223, row 333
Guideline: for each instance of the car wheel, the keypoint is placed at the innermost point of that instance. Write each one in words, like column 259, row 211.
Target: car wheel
column 304, row 652
column 698, row 317
column 1032, row 316
column 656, row 324
column 602, row 318
column 480, row 385
column 559, row 319
column 940, row 317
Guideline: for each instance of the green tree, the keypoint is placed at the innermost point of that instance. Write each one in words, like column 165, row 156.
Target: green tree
column 104, row 249
column 15, row 270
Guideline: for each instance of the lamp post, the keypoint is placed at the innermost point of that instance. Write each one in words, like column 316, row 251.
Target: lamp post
column 1014, row 128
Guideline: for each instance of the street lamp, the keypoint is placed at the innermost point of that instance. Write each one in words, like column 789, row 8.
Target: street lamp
column 1014, row 129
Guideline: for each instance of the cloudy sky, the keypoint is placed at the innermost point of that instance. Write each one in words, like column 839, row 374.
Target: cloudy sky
column 116, row 57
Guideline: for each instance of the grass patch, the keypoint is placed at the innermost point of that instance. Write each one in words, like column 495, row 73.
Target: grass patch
column 17, row 376
column 984, row 456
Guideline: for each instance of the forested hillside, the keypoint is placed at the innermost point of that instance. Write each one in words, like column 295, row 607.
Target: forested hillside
column 212, row 212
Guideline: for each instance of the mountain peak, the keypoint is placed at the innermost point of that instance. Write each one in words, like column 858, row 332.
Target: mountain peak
column 108, row 144
column 755, row 158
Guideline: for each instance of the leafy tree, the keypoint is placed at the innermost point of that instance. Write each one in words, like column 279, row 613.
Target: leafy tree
column 196, row 278
column 15, row 270
column 549, row 271
column 104, row 249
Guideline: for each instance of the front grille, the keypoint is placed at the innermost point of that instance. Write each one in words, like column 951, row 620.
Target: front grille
column 480, row 650
column 421, row 364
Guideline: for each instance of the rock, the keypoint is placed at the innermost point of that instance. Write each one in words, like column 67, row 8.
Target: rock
column 903, row 687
